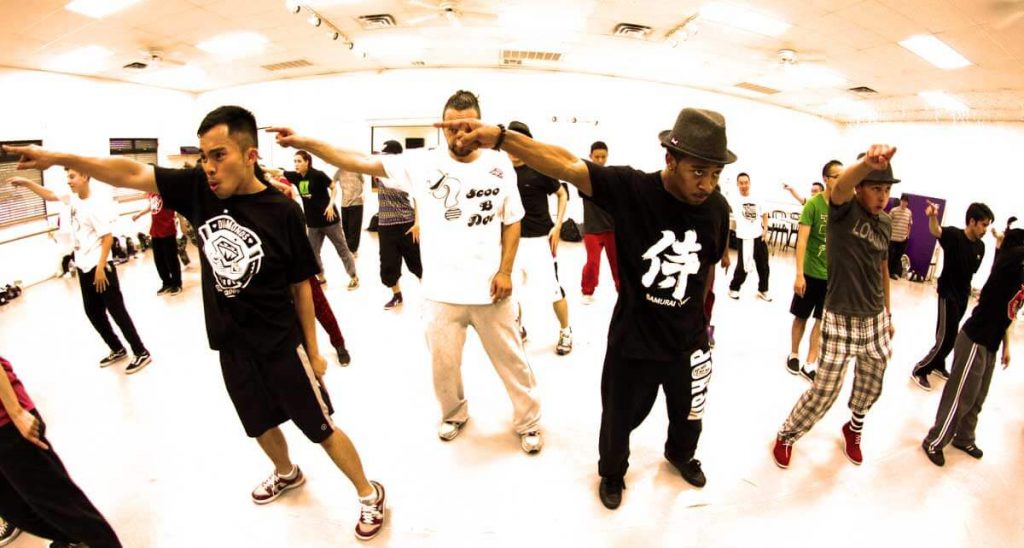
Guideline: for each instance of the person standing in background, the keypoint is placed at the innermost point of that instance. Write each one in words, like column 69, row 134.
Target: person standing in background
column 399, row 235
column 165, row 246
column 352, row 185
column 751, row 233
column 902, row 221
column 598, row 233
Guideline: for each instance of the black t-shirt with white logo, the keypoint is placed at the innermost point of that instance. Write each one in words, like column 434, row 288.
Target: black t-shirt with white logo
column 960, row 260
column 534, row 189
column 254, row 247
column 665, row 248
column 1001, row 299
column 314, row 190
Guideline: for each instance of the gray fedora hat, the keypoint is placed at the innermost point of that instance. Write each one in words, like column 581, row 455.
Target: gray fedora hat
column 699, row 133
column 881, row 176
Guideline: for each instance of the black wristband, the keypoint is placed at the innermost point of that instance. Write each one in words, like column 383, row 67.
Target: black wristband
column 501, row 137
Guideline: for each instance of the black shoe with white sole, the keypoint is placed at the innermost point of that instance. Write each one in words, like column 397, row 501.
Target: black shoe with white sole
column 138, row 362
column 114, row 357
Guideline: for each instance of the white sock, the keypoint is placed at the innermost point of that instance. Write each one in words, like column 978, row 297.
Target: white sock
column 290, row 475
column 372, row 497
column 792, row 355
column 567, row 330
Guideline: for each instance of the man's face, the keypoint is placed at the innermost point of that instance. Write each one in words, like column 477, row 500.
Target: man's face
column 976, row 229
column 301, row 165
column 834, row 171
column 743, row 184
column 873, row 196
column 224, row 160
column 815, row 190
column 692, row 179
column 599, row 156
column 76, row 181
column 904, row 202
column 451, row 134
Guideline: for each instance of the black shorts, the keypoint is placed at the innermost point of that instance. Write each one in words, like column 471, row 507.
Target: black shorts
column 269, row 390
column 813, row 299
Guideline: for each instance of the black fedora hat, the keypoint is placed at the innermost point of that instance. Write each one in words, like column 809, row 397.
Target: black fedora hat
column 699, row 133
column 881, row 176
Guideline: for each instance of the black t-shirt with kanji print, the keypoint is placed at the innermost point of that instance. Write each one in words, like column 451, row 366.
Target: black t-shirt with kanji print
column 1001, row 299
column 314, row 189
column 253, row 248
column 665, row 249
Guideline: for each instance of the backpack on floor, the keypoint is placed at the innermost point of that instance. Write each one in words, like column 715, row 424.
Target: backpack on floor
column 570, row 231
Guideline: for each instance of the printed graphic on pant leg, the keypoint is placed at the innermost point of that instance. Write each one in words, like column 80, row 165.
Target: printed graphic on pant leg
column 700, row 375
column 235, row 253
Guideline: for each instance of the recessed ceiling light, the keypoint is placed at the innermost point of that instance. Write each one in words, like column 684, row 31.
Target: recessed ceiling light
column 944, row 101
column 85, row 60
column 743, row 18
column 292, row 6
column 314, row 20
column 234, row 45
column 98, row 9
column 935, row 51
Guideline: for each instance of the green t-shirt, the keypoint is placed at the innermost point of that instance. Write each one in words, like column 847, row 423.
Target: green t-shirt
column 815, row 215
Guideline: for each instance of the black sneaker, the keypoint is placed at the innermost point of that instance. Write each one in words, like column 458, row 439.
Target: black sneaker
column 343, row 357
column 138, row 362
column 941, row 373
column 970, row 449
column 921, row 381
column 610, row 492
column 174, row 290
column 691, row 471
column 934, row 455
column 396, row 300
column 808, row 374
column 115, row 356
column 793, row 365
column 162, row 290
column 522, row 333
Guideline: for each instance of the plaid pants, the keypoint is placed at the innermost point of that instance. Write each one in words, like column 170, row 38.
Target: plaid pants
column 866, row 339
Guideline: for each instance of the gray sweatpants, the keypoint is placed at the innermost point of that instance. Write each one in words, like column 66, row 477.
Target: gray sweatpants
column 963, row 395
column 336, row 235
column 495, row 324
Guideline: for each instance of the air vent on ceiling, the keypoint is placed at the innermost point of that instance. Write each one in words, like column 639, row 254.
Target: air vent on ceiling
column 298, row 63
column 419, row 63
column 137, row 65
column 629, row 30
column 863, row 89
column 757, row 88
column 378, row 21
column 516, row 57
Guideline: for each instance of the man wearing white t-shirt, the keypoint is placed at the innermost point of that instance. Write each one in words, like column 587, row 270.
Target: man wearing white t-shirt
column 751, row 232
column 469, row 217
column 92, row 219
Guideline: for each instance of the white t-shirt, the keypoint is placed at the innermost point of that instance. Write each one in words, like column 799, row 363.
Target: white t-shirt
column 748, row 211
column 462, row 207
column 91, row 220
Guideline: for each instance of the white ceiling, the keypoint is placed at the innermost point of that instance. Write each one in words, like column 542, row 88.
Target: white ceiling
column 857, row 38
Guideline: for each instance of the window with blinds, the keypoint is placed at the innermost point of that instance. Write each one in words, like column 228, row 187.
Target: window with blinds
column 17, row 204
column 140, row 150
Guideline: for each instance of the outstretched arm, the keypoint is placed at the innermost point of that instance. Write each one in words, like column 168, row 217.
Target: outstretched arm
column 551, row 160
column 43, row 192
column 115, row 171
column 932, row 211
column 796, row 195
column 348, row 160
column 876, row 158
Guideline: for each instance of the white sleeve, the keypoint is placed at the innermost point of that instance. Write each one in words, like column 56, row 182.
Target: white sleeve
column 102, row 216
column 512, row 210
column 400, row 169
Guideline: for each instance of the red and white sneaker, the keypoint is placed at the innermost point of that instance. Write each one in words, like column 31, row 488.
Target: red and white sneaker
column 275, row 486
column 782, row 452
column 851, row 445
column 371, row 516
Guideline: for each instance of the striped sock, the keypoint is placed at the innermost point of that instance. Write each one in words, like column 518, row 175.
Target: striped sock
column 857, row 422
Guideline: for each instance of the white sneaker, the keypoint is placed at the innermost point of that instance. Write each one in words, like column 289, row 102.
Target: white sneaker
column 734, row 294
column 564, row 343
column 764, row 296
column 449, row 430
column 588, row 299
column 531, row 442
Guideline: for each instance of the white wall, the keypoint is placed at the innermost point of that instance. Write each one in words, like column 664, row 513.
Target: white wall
column 79, row 115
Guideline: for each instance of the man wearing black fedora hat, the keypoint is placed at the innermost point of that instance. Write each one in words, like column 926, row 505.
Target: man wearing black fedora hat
column 671, row 229
column 857, row 320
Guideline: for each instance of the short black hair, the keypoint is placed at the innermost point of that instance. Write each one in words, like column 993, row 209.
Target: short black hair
column 904, row 198
column 598, row 145
column 391, row 147
column 979, row 212
column 305, row 156
column 1013, row 237
column 828, row 167
column 818, row 184
column 462, row 100
column 742, row 174
column 1010, row 221
column 241, row 124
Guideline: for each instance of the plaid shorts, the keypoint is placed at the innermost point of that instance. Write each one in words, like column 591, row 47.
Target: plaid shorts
column 865, row 339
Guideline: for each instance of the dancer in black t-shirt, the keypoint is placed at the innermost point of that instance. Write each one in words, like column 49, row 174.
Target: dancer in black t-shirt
column 256, row 263
column 670, row 234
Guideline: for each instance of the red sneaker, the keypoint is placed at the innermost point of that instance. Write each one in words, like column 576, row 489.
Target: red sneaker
column 782, row 452
column 371, row 516
column 851, row 445
column 275, row 486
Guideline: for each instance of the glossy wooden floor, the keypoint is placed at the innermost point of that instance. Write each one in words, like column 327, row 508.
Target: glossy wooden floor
column 161, row 452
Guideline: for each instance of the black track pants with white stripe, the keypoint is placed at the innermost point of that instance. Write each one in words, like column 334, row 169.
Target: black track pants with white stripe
column 947, row 324
column 963, row 395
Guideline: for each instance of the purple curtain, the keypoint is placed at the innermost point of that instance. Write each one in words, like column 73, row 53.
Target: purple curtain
column 921, row 246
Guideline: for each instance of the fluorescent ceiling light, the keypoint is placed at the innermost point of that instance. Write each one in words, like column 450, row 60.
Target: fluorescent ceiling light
column 98, row 9
column 935, row 51
column 85, row 60
column 944, row 101
column 849, row 108
column 234, row 45
column 743, row 18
